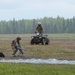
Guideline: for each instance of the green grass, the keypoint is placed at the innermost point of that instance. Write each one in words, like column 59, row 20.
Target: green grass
column 30, row 69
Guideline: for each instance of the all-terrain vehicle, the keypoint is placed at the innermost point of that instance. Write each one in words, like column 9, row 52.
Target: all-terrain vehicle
column 37, row 39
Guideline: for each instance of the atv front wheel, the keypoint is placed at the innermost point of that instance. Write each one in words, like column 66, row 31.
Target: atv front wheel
column 32, row 42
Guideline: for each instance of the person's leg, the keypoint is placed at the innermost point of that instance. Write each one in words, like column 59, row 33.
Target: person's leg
column 20, row 49
column 41, row 34
column 15, row 51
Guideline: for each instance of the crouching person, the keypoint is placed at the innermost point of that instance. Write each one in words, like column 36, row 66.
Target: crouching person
column 16, row 46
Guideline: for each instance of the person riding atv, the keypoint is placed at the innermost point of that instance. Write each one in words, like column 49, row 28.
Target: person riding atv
column 39, row 29
column 39, row 38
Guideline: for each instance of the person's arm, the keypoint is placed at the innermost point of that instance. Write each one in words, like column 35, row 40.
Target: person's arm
column 18, row 42
column 42, row 29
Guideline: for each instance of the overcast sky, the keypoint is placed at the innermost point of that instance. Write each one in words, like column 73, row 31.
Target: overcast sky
column 32, row 9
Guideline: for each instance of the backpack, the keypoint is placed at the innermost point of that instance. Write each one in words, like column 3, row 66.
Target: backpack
column 1, row 54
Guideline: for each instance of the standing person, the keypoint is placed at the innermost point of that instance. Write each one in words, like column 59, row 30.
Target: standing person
column 39, row 29
column 16, row 46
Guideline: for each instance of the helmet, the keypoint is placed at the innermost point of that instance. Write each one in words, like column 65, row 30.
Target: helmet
column 39, row 23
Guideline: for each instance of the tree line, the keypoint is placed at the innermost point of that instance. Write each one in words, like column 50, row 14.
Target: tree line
column 26, row 26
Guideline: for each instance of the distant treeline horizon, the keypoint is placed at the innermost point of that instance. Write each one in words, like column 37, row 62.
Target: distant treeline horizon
column 50, row 25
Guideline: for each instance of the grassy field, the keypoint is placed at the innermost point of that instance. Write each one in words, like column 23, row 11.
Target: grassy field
column 62, row 46
column 30, row 69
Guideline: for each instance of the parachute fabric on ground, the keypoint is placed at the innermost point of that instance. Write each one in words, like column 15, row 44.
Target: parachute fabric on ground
column 37, row 61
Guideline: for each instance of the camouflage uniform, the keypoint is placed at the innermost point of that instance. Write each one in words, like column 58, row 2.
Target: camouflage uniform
column 16, row 46
column 39, row 29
